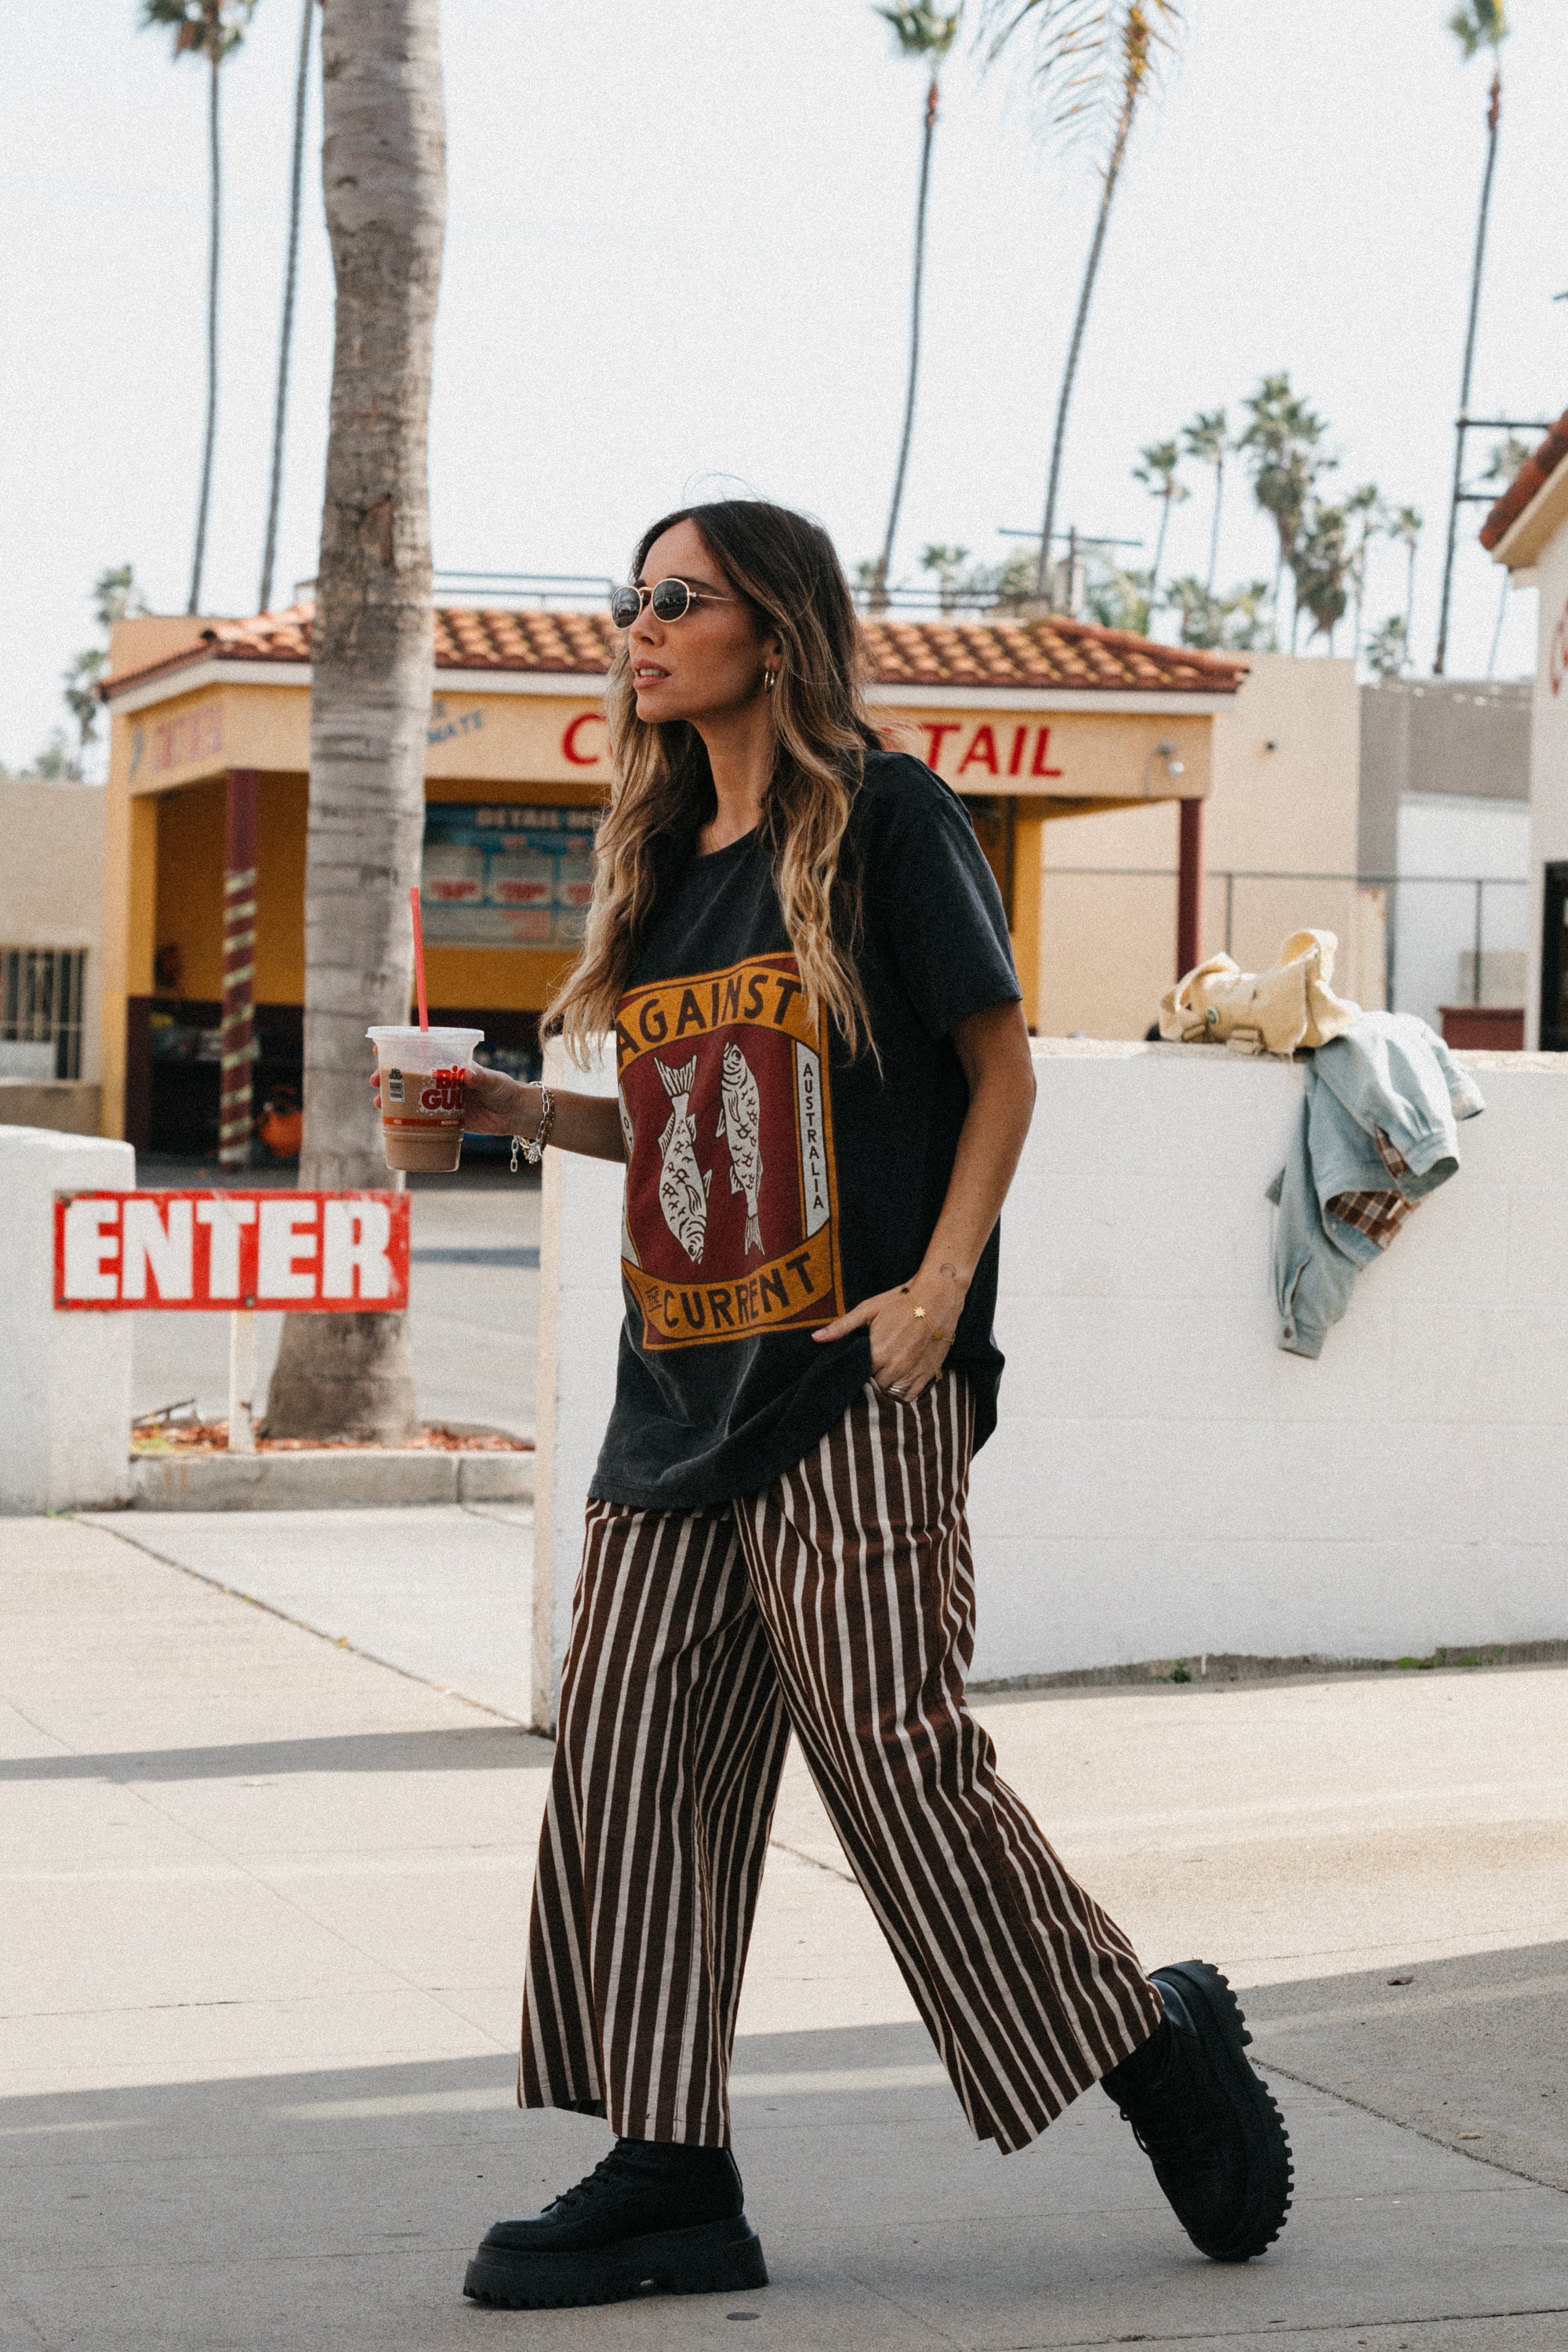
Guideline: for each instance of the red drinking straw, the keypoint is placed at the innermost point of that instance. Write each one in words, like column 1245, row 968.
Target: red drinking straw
column 419, row 956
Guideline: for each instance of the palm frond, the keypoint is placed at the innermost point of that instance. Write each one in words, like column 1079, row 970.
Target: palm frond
column 203, row 28
column 1479, row 24
column 1207, row 437
column 1085, row 64
column 922, row 31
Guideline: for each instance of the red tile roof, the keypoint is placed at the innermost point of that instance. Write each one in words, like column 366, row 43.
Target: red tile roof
column 1050, row 652
column 1531, row 478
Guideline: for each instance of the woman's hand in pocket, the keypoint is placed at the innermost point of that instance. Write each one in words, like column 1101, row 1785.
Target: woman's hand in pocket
column 908, row 1348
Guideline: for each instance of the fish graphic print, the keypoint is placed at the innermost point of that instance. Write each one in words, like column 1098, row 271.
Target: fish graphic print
column 730, row 1212
column 682, row 1185
column 741, row 1124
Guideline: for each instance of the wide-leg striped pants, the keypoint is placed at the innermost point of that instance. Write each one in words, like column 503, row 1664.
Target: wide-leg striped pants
column 838, row 1602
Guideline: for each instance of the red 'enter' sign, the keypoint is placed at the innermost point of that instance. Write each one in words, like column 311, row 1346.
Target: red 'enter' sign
column 342, row 1251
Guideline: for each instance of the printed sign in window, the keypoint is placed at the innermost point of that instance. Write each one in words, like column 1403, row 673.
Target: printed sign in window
column 507, row 875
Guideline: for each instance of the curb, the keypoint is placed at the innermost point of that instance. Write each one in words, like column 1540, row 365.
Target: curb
column 331, row 1480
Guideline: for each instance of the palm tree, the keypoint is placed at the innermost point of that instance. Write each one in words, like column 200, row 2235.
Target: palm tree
column 1405, row 524
column 1387, row 648
column 1234, row 621
column 1476, row 25
column 1507, row 455
column 1283, row 437
column 954, row 585
column 115, row 597
column 1320, row 567
column 1158, row 474
column 286, row 331
column 1091, row 63
column 1365, row 506
column 1197, row 610
column 212, row 30
column 922, row 33
column 384, row 174
column 1207, row 438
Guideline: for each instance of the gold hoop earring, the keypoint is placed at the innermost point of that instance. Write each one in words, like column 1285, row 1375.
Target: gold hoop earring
column 770, row 679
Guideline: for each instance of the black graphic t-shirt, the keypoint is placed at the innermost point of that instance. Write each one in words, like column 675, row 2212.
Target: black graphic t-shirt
column 772, row 1182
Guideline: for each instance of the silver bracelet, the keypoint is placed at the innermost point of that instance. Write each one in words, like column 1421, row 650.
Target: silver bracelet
column 533, row 1146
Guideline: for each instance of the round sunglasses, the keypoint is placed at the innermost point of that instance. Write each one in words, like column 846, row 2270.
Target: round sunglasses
column 671, row 600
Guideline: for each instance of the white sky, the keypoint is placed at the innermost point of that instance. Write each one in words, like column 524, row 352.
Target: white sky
column 679, row 250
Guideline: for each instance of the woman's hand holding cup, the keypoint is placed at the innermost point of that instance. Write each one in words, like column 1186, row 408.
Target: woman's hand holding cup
column 496, row 1105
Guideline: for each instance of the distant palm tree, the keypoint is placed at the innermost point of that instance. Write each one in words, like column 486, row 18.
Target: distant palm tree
column 922, row 33
column 1207, row 438
column 286, row 331
column 212, row 30
column 1507, row 455
column 1118, row 599
column 115, row 597
column 1365, row 506
column 1320, row 567
column 1387, row 648
column 1091, row 63
column 1158, row 474
column 1234, row 621
column 1405, row 524
column 954, row 585
column 1476, row 25
column 1283, row 439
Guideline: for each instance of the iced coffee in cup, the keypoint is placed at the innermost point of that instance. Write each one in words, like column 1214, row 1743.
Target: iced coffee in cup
column 423, row 1093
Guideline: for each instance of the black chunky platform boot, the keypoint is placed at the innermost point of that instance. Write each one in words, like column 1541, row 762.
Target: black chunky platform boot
column 1204, row 2119
column 652, row 2215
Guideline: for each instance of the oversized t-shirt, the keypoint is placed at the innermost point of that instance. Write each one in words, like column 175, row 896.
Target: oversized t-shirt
column 772, row 1180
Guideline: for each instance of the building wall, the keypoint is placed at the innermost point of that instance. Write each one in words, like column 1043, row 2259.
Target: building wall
column 1548, row 751
column 1284, row 803
column 51, row 881
column 1164, row 1480
column 1474, row 840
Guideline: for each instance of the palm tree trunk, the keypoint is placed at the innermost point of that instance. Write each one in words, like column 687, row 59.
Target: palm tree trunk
column 1158, row 552
column 1214, row 526
column 383, row 172
column 1497, row 630
column 1494, row 112
column 286, row 331
column 879, row 599
column 214, row 217
column 1409, row 596
column 1112, row 173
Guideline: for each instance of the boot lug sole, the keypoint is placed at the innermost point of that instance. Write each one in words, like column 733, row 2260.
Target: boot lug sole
column 716, row 2258
column 1217, row 2015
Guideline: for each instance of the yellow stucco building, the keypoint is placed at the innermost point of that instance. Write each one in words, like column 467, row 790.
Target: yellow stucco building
column 1029, row 720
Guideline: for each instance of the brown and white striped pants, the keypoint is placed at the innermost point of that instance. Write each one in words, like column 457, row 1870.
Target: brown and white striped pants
column 839, row 1603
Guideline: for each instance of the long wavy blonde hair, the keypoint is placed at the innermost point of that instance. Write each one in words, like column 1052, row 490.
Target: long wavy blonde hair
column 787, row 571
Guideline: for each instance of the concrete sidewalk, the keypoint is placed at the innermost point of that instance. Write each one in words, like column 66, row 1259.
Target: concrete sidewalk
column 266, row 1901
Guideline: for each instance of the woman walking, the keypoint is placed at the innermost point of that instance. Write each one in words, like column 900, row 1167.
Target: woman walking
column 825, row 1085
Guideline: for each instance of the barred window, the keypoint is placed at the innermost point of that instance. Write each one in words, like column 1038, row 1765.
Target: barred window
column 41, row 995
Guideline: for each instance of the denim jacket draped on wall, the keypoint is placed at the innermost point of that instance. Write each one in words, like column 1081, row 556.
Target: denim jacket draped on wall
column 1378, row 1133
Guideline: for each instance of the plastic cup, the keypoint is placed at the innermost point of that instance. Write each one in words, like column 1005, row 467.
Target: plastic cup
column 423, row 1094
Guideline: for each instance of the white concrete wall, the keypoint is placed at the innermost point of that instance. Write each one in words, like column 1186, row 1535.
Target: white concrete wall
column 65, row 1378
column 580, row 1315
column 1164, row 1480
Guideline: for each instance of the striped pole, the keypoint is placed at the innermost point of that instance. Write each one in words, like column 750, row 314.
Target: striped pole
column 234, row 1118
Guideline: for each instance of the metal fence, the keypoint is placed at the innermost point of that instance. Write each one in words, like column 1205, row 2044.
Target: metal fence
column 42, row 991
column 1447, row 939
